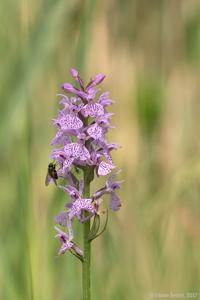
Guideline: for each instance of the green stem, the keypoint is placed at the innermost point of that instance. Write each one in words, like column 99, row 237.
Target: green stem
column 86, row 246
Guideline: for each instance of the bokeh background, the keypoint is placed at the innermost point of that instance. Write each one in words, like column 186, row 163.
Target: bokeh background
column 150, row 51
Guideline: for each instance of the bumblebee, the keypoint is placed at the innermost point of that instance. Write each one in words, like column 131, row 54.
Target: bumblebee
column 51, row 174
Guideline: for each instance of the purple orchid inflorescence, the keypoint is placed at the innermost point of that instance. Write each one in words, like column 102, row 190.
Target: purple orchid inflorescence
column 82, row 126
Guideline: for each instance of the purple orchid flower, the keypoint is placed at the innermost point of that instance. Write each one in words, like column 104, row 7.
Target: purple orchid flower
column 80, row 205
column 110, row 188
column 81, row 140
column 66, row 243
column 77, row 206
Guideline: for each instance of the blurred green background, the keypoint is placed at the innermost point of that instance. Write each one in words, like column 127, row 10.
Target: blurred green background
column 150, row 51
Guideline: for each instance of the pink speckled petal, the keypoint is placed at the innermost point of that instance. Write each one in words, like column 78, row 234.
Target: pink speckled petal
column 76, row 150
column 93, row 110
column 78, row 206
column 73, row 150
column 95, row 131
column 67, row 164
column 105, row 168
column 84, row 153
column 70, row 122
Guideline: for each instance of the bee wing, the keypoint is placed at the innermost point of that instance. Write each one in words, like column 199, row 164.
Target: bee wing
column 47, row 179
column 54, row 180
